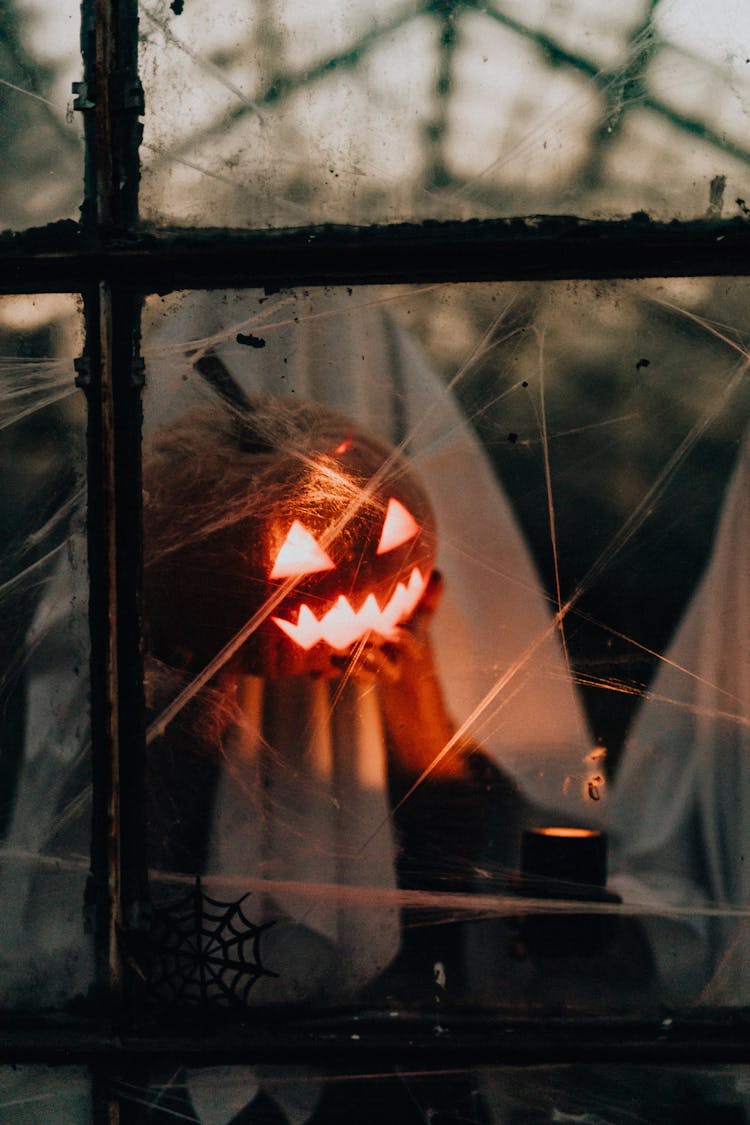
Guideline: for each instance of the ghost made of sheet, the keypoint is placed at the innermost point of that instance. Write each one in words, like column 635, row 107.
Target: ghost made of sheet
column 680, row 804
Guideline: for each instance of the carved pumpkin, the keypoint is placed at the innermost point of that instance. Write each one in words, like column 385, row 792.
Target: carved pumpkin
column 288, row 506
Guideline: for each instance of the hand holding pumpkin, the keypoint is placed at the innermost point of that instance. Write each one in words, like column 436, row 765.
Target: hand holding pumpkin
column 403, row 670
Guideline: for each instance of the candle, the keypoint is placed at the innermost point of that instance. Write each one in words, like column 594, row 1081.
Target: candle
column 560, row 862
column 567, row 855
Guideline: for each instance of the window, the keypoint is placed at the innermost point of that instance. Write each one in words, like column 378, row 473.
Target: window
column 377, row 437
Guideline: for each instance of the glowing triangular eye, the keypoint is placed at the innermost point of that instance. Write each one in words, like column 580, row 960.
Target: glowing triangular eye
column 300, row 554
column 399, row 527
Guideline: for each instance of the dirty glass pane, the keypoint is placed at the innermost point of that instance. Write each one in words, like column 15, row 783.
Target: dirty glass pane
column 45, row 807
column 40, row 136
column 536, row 1095
column 266, row 112
column 422, row 569
column 31, row 1094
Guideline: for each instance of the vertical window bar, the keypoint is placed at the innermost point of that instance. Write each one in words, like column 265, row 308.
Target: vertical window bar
column 111, row 100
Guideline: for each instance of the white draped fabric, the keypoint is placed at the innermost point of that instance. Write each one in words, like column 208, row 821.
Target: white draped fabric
column 681, row 828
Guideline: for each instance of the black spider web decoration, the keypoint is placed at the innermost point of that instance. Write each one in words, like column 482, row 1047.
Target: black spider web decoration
column 204, row 952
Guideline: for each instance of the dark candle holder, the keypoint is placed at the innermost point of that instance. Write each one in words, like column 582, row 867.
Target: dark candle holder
column 573, row 857
column 568, row 864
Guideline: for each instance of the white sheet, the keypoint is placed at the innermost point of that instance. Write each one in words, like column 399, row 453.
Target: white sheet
column 682, row 836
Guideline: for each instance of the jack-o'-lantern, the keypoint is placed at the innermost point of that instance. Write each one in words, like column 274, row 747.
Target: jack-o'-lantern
column 287, row 513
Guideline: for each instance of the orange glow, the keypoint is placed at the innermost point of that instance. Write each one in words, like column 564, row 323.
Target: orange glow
column 342, row 625
column 399, row 527
column 300, row 554
column 568, row 833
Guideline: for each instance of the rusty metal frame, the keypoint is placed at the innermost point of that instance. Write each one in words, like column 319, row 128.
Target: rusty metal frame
column 110, row 100
column 64, row 256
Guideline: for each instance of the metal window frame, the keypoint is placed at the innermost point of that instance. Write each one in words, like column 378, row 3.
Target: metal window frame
column 114, row 261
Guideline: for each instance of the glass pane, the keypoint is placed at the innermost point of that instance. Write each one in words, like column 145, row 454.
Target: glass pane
column 31, row 1094
column 45, row 809
column 591, row 1095
column 414, row 561
column 286, row 113
column 40, row 136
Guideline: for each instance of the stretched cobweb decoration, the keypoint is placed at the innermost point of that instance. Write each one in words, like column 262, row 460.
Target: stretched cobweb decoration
column 202, row 951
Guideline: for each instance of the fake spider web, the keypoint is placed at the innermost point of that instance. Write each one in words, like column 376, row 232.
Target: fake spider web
column 202, row 951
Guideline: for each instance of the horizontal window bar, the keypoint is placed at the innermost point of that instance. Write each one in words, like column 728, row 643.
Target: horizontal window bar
column 391, row 1037
column 62, row 258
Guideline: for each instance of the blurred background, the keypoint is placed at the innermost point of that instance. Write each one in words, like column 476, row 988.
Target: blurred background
column 282, row 112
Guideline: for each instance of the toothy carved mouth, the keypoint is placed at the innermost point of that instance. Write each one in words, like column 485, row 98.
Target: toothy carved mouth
column 341, row 626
